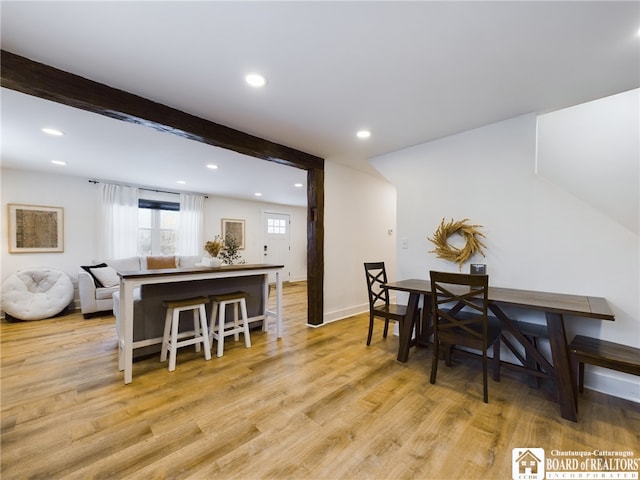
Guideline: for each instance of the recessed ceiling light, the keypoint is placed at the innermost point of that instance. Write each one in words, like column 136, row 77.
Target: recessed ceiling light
column 298, row 185
column 211, row 166
column 255, row 80
column 181, row 182
column 363, row 134
column 52, row 131
column 258, row 194
column 58, row 162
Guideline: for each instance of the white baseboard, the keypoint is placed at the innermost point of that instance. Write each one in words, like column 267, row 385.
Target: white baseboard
column 610, row 382
column 336, row 315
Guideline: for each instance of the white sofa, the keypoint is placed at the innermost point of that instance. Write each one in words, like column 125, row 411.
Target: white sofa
column 95, row 299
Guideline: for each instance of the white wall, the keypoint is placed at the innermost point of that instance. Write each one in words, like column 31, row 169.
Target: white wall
column 359, row 212
column 217, row 208
column 592, row 150
column 79, row 198
column 538, row 236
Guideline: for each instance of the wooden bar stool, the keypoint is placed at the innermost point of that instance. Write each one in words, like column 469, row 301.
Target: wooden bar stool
column 200, row 333
column 223, row 329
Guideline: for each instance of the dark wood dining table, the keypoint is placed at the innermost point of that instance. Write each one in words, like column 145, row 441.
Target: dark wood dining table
column 554, row 305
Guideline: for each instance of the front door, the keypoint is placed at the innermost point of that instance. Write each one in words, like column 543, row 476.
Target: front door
column 277, row 242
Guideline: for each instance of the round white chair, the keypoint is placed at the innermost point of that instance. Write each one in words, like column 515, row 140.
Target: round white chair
column 36, row 293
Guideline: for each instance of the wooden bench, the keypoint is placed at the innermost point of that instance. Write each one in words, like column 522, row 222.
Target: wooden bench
column 602, row 353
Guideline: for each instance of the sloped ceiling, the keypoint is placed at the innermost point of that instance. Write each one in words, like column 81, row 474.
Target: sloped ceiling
column 593, row 151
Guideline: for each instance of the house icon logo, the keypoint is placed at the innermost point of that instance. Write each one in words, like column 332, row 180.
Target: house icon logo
column 527, row 463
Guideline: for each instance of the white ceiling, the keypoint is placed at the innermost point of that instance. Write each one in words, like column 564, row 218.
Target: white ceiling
column 410, row 72
column 101, row 148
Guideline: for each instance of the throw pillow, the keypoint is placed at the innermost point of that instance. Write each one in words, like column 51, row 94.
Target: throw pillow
column 87, row 268
column 156, row 263
column 106, row 275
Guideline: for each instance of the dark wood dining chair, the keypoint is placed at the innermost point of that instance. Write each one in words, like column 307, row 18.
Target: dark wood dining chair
column 459, row 312
column 379, row 305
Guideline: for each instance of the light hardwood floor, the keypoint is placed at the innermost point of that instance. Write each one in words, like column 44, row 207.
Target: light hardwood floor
column 317, row 404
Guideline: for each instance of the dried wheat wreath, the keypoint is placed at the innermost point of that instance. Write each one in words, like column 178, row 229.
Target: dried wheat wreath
column 449, row 252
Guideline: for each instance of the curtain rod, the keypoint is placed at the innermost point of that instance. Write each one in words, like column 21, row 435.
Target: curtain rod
column 147, row 189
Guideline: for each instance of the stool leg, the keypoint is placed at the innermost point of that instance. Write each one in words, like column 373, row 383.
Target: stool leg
column 174, row 339
column 581, row 377
column 245, row 323
column 196, row 327
column 165, row 335
column 205, row 333
column 236, row 336
column 221, row 320
column 212, row 323
column 120, row 356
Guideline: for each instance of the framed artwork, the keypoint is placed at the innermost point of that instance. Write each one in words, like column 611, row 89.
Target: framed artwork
column 35, row 229
column 235, row 228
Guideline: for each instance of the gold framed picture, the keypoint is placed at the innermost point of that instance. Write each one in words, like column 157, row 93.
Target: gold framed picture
column 235, row 228
column 35, row 229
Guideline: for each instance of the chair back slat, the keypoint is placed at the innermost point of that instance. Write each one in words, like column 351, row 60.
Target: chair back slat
column 460, row 303
column 376, row 276
column 379, row 300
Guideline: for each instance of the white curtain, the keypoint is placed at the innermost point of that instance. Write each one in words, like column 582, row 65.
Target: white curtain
column 119, row 222
column 190, row 230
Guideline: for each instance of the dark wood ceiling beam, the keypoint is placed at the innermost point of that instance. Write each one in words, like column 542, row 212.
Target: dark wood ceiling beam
column 40, row 80
column 43, row 81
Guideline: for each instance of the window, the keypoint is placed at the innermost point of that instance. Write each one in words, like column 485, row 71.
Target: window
column 276, row 226
column 157, row 227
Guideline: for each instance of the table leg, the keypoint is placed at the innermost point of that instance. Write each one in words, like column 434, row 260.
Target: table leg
column 278, row 305
column 426, row 323
column 406, row 327
column 266, row 287
column 126, row 313
column 562, row 366
column 532, row 351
